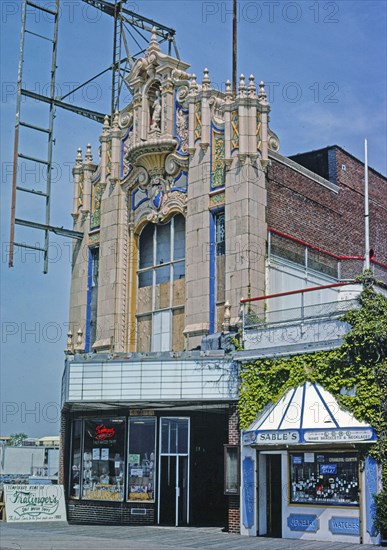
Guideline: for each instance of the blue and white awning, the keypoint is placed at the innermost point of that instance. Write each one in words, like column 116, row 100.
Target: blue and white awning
column 307, row 415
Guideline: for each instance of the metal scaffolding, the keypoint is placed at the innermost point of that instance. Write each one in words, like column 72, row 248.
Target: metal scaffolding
column 129, row 28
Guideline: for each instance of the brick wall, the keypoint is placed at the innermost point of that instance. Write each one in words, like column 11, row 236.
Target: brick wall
column 62, row 448
column 233, row 501
column 333, row 221
column 110, row 513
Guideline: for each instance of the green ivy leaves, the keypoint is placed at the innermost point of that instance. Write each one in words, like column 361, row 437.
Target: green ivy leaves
column 361, row 363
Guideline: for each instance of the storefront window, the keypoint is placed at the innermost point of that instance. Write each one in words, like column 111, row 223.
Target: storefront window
column 174, row 435
column 231, row 470
column 141, row 458
column 324, row 478
column 75, row 459
column 103, row 459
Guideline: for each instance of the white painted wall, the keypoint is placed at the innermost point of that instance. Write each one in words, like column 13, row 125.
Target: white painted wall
column 323, row 514
column 20, row 460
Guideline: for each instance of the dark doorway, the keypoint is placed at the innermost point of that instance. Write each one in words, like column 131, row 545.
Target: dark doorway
column 168, row 490
column 209, row 432
column 274, row 496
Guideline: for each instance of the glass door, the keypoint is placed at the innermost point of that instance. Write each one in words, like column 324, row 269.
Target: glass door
column 173, row 501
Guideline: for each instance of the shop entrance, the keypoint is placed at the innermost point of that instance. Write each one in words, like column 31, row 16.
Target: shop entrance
column 173, row 482
column 274, row 495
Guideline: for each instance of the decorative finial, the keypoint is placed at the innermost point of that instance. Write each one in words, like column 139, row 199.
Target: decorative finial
column 193, row 85
column 89, row 155
column 105, row 129
column 116, row 118
column 262, row 93
column 227, row 317
column 228, row 92
column 242, row 86
column 78, row 158
column 206, row 80
column 153, row 44
column 251, row 88
column 70, row 345
column 79, row 342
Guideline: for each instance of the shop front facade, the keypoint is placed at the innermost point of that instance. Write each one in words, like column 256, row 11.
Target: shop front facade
column 305, row 471
column 188, row 208
column 138, row 460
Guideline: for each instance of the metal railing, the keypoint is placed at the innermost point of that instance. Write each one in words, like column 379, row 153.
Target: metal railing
column 256, row 317
column 313, row 258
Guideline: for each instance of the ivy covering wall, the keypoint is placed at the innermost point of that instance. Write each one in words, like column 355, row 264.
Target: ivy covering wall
column 360, row 364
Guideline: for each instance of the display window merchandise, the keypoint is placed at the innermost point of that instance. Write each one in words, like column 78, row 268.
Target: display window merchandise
column 141, row 458
column 107, row 466
column 103, row 459
column 324, row 478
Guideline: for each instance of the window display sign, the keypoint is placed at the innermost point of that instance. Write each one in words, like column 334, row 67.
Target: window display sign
column 104, row 454
column 344, row 526
column 309, row 457
column 141, row 458
column 338, row 435
column 328, row 468
column 133, row 459
column 103, row 459
column 303, row 522
column 26, row 503
column 332, row 479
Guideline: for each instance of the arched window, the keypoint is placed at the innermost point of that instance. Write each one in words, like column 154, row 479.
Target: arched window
column 161, row 286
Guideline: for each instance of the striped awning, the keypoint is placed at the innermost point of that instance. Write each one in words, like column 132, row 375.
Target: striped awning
column 307, row 415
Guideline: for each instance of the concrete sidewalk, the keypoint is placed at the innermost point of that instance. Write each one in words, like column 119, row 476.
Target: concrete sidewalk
column 60, row 536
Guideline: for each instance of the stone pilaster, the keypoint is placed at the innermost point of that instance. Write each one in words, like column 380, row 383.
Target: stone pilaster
column 246, row 228
column 104, row 139
column 264, row 108
column 206, row 116
column 88, row 171
column 78, row 180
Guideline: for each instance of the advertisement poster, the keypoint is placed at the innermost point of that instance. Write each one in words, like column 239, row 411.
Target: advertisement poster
column 34, row 503
column 104, row 454
column 96, row 454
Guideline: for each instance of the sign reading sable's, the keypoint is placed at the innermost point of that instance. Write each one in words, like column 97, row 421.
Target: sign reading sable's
column 274, row 437
column 34, row 503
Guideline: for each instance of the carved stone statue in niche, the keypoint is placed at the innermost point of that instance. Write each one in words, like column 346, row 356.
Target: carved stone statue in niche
column 156, row 113
column 159, row 188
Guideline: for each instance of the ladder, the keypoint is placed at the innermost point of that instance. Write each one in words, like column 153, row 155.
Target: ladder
column 21, row 123
column 125, row 22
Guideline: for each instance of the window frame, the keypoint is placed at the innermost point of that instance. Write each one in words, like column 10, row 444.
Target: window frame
column 155, row 269
column 127, row 482
column 226, row 455
column 340, row 454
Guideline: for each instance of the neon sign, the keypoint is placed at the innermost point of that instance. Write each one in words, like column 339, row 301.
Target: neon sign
column 102, row 433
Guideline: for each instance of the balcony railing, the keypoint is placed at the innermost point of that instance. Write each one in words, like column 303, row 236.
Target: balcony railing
column 330, row 310
column 313, row 322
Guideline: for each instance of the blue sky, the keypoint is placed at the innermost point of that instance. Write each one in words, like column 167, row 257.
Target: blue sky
column 324, row 63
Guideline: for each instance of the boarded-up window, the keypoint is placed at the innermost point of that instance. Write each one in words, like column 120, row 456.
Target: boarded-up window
column 161, row 286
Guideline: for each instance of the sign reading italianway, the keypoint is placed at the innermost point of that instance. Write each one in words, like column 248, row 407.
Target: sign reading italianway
column 34, row 503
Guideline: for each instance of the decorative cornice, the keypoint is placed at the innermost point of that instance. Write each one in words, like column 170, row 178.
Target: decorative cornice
column 151, row 154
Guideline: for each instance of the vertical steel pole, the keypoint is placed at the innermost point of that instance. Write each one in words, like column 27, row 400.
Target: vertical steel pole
column 51, row 134
column 234, row 46
column 114, row 62
column 16, row 136
column 366, row 208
